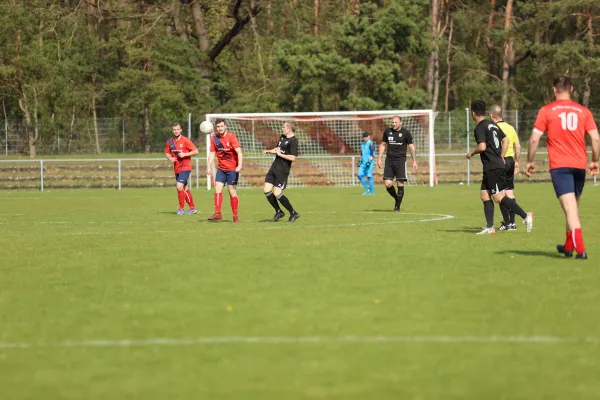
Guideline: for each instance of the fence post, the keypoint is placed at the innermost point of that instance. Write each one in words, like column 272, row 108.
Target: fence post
column 6, row 137
column 353, row 171
column 119, row 168
column 468, row 148
column 41, row 175
column 449, row 130
column 197, row 174
column 58, row 139
column 189, row 125
column 123, row 133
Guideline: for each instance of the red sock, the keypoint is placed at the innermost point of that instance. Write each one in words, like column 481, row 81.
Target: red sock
column 181, row 197
column 569, row 242
column 578, row 241
column 189, row 199
column 218, row 201
column 235, row 201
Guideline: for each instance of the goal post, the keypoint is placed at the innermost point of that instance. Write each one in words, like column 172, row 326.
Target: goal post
column 329, row 144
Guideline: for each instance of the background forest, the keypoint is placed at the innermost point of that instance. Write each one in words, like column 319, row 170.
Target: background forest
column 65, row 61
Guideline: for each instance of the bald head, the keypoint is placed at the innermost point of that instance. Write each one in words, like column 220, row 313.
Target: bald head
column 496, row 113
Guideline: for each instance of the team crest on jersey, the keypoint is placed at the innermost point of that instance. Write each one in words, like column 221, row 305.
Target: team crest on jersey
column 399, row 135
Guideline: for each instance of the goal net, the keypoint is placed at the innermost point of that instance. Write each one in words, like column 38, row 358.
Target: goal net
column 329, row 144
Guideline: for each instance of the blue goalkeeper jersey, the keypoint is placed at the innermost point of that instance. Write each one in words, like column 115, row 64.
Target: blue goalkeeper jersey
column 367, row 149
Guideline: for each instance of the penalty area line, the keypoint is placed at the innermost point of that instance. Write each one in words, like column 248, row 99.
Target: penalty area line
column 155, row 342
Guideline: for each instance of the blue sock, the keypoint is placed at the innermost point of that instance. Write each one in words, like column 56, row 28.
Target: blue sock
column 360, row 178
column 371, row 184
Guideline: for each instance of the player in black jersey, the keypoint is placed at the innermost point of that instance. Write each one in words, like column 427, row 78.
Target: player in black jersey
column 492, row 144
column 276, row 179
column 397, row 139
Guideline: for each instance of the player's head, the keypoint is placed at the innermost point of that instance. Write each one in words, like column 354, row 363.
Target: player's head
column 562, row 85
column 397, row 122
column 288, row 128
column 366, row 136
column 496, row 113
column 477, row 109
column 176, row 129
column 220, row 126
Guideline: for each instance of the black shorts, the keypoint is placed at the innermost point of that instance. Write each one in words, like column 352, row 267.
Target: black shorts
column 394, row 169
column 277, row 178
column 494, row 181
column 510, row 173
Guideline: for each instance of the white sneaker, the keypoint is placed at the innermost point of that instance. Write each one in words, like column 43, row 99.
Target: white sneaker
column 487, row 231
column 528, row 221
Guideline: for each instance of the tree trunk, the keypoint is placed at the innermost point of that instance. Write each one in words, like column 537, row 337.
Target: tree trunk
column 179, row 25
column 488, row 39
column 147, row 129
column 587, row 92
column 198, row 15
column 449, row 65
column 433, row 54
column 36, row 127
column 95, row 116
column 509, row 54
column 316, row 17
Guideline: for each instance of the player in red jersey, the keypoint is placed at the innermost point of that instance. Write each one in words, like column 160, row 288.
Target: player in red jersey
column 226, row 148
column 179, row 150
column 567, row 123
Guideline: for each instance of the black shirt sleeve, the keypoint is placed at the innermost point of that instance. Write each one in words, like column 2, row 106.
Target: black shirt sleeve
column 409, row 138
column 480, row 134
column 384, row 139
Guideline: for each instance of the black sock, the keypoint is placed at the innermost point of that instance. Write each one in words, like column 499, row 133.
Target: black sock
column 512, row 205
column 286, row 203
column 512, row 214
column 505, row 214
column 392, row 191
column 400, row 196
column 488, row 210
column 272, row 201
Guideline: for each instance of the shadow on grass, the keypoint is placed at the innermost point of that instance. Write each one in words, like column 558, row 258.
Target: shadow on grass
column 464, row 229
column 387, row 210
column 549, row 254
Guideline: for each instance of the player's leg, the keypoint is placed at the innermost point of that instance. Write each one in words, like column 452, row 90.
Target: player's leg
column 180, row 184
column 568, row 184
column 361, row 178
column 220, row 179
column 232, row 181
column 189, row 199
column 388, row 179
column 268, row 191
column 401, row 177
column 509, row 216
column 370, row 178
column 497, row 183
column 281, row 183
column 488, row 207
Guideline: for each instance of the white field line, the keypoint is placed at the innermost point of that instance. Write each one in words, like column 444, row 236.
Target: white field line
column 155, row 342
column 276, row 226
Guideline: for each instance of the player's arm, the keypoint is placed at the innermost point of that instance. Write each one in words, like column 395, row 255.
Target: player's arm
column 517, row 149
column 504, row 149
column 479, row 149
column 209, row 162
column 238, row 150
column 372, row 150
column 595, row 137
column 170, row 156
column 413, row 154
column 193, row 151
column 381, row 150
column 272, row 151
column 534, row 142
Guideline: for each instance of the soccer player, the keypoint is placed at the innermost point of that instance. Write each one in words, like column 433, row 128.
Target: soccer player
column 511, row 160
column 179, row 150
column 397, row 140
column 226, row 148
column 366, row 164
column 566, row 123
column 491, row 146
column 276, row 179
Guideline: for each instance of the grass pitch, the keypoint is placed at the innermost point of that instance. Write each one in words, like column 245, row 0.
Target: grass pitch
column 110, row 295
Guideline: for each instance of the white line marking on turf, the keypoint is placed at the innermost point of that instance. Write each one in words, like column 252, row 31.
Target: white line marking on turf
column 151, row 342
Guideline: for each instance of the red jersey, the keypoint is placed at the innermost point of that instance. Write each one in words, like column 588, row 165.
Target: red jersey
column 182, row 145
column 225, row 148
column 566, row 123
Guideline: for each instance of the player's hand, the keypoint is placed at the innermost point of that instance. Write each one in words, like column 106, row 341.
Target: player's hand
column 368, row 164
column 268, row 152
column 530, row 169
column 278, row 151
column 379, row 164
column 593, row 168
column 415, row 166
column 516, row 168
column 209, row 171
column 238, row 168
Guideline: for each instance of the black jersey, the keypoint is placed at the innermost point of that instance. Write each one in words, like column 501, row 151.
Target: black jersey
column 397, row 143
column 288, row 146
column 488, row 132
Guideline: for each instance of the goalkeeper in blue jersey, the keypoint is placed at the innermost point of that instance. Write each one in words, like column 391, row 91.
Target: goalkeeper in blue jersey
column 366, row 164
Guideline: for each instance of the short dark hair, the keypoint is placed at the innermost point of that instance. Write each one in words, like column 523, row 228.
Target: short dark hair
column 219, row 120
column 562, row 83
column 478, row 107
column 174, row 124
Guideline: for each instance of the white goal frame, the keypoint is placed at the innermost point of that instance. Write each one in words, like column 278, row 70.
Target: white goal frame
column 430, row 114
